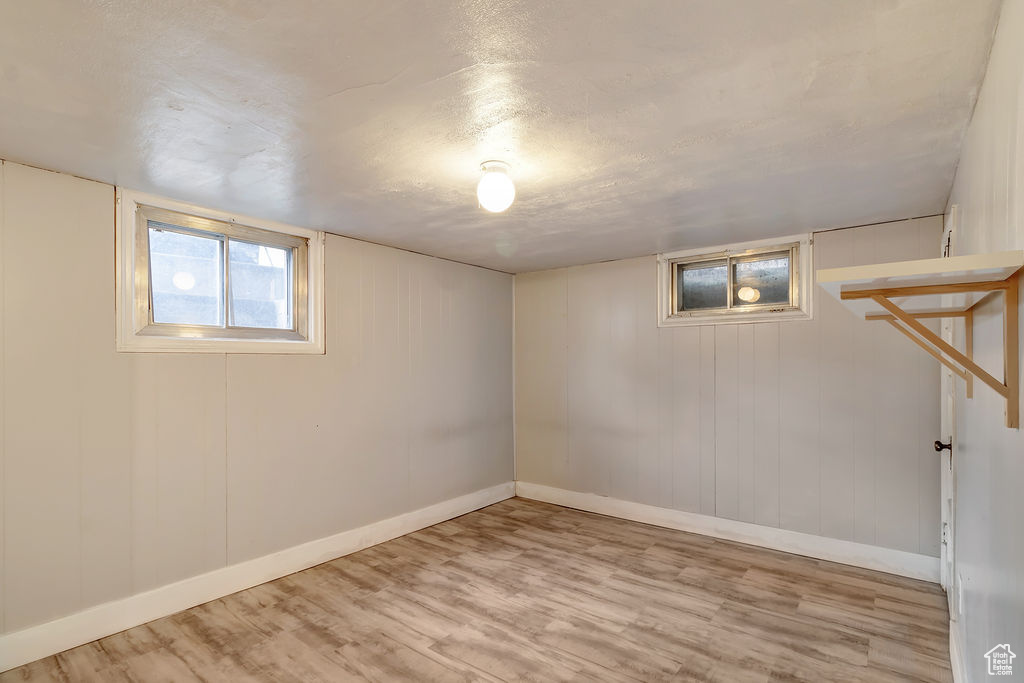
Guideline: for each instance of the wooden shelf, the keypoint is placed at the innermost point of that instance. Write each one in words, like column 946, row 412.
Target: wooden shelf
column 905, row 292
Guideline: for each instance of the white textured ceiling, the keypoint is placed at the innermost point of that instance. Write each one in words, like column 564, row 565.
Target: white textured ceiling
column 630, row 127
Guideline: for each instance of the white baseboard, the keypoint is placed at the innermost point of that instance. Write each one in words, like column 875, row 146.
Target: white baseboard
column 887, row 560
column 956, row 655
column 30, row 644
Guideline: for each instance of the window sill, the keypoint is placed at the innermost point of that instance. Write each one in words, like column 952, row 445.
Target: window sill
column 144, row 344
column 733, row 318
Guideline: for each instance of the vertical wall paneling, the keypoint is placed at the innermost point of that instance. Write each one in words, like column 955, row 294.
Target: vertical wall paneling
column 619, row 313
column 686, row 425
column 799, row 428
column 49, row 566
column 103, row 401
column 726, row 421
column 896, row 418
column 775, row 423
column 590, row 426
column 707, row 404
column 192, row 477
column 650, row 467
column 668, row 415
column 541, row 403
column 177, row 465
column 123, row 472
column 3, row 400
column 836, row 406
column 144, row 472
column 866, row 381
column 767, row 418
column 928, row 461
column 745, row 419
column 428, row 398
column 433, row 389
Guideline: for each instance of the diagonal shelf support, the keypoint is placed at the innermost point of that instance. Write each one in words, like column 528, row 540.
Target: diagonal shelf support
column 1011, row 348
column 958, row 371
column 962, row 364
column 911, row 292
column 969, row 346
column 938, row 343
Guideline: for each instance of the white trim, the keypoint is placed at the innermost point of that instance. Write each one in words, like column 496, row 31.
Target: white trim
column 887, row 560
column 956, row 655
column 30, row 644
column 804, row 284
column 127, row 203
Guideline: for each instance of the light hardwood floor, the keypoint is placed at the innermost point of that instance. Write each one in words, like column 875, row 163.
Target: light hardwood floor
column 528, row 591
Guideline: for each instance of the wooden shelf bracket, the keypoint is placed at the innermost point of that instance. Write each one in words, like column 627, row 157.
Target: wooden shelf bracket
column 961, row 363
column 904, row 293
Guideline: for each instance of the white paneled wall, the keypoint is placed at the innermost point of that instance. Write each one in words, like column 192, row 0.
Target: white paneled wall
column 822, row 426
column 407, row 408
column 3, row 440
column 124, row 472
column 989, row 191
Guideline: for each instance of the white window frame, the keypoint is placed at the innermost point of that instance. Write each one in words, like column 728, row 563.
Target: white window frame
column 800, row 283
column 137, row 332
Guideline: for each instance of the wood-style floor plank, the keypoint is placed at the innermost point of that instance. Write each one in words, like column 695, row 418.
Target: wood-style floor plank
column 527, row 591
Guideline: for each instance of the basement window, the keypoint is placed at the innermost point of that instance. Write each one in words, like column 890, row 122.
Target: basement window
column 190, row 280
column 755, row 281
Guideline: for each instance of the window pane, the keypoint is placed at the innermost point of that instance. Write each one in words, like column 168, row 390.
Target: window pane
column 187, row 283
column 703, row 285
column 761, row 281
column 260, row 279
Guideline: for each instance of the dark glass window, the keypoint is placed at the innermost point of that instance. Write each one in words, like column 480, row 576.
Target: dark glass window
column 703, row 285
column 761, row 280
column 751, row 281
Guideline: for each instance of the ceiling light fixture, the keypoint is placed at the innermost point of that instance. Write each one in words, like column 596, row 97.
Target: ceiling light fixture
column 495, row 191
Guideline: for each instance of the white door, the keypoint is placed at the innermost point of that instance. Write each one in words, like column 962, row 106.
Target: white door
column 949, row 388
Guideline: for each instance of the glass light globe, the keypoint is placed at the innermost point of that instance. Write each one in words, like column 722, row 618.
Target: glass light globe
column 748, row 294
column 184, row 280
column 495, row 191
